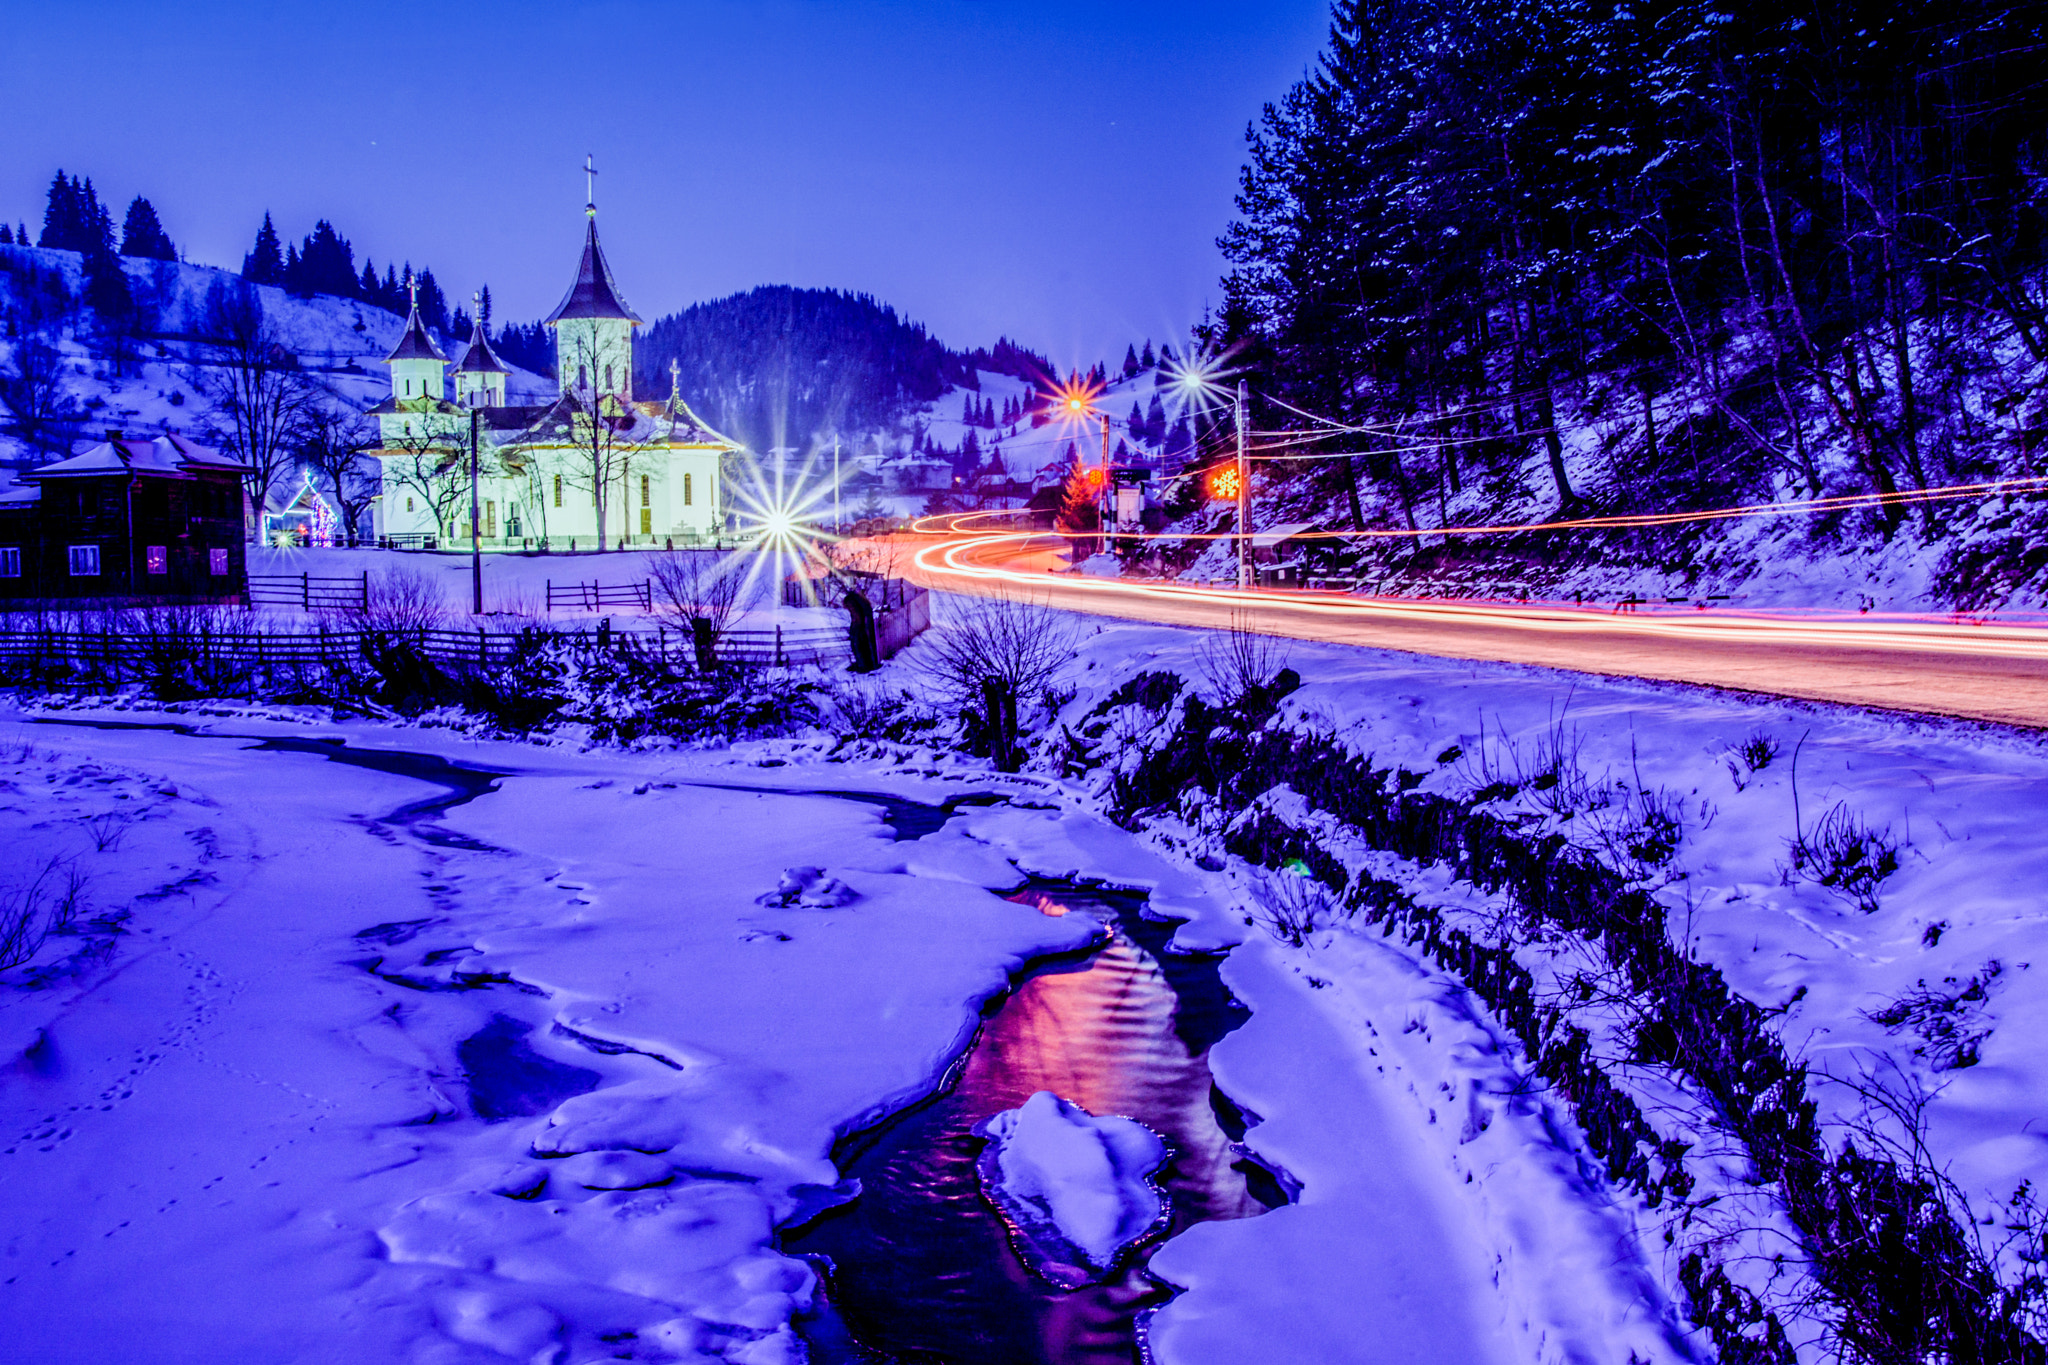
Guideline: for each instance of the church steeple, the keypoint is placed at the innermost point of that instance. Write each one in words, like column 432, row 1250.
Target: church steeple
column 479, row 375
column 418, row 369
column 593, row 326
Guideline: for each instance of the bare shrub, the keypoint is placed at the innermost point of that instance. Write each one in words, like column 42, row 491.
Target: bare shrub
column 697, row 585
column 28, row 912
column 107, row 829
column 1240, row 661
column 1948, row 1019
column 1845, row 855
column 1288, row 904
column 1751, row 757
column 990, row 656
column 402, row 598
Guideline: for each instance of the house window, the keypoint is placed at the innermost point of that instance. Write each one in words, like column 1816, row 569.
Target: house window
column 156, row 559
column 686, row 490
column 645, row 491
column 10, row 561
column 558, row 490
column 217, row 563
column 85, row 561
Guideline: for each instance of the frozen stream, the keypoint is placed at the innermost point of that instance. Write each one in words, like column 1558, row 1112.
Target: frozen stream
column 347, row 1064
column 1123, row 1028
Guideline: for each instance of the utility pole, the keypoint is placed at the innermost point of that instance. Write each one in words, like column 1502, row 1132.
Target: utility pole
column 1244, row 497
column 1107, row 497
column 476, row 528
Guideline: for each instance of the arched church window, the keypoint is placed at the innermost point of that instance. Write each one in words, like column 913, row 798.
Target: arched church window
column 646, row 495
column 686, row 488
column 558, row 490
column 607, row 376
column 582, row 377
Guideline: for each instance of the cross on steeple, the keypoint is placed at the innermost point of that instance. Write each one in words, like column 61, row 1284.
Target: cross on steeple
column 589, row 185
column 675, row 381
column 412, row 290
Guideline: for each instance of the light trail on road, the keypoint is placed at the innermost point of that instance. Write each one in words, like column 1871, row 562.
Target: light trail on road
column 1937, row 665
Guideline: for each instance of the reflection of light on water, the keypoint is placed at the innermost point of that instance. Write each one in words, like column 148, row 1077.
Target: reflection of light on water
column 923, row 1265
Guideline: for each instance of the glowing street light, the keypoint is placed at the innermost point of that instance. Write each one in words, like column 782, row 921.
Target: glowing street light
column 1198, row 379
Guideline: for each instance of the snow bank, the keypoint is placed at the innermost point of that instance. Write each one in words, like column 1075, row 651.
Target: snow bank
column 1072, row 1187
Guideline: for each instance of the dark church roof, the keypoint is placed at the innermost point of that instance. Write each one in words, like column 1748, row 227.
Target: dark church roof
column 594, row 295
column 416, row 344
column 479, row 358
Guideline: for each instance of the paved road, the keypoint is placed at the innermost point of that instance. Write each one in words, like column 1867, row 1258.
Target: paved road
column 1928, row 665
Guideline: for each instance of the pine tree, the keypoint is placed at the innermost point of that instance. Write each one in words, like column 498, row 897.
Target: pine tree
column 1131, row 360
column 1155, row 421
column 433, row 304
column 265, row 262
column 69, row 220
column 1135, row 423
column 483, row 307
column 326, row 263
column 366, row 286
column 6, row 235
column 142, row 235
column 293, row 278
column 1147, row 361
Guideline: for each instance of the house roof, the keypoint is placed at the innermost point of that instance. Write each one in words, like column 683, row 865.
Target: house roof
column 644, row 424
column 479, row 358
column 415, row 344
column 594, row 294
column 170, row 456
column 1276, row 535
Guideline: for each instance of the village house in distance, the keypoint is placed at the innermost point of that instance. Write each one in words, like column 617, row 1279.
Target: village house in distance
column 158, row 519
column 595, row 464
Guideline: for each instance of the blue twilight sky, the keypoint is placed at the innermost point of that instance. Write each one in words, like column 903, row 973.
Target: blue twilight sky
column 1057, row 171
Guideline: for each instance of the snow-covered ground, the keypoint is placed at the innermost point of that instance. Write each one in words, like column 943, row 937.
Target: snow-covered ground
column 538, row 1077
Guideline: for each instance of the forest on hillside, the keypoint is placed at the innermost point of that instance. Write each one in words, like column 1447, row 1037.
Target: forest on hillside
column 784, row 367
column 1763, row 251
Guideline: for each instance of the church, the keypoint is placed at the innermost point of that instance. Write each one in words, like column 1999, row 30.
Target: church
column 595, row 468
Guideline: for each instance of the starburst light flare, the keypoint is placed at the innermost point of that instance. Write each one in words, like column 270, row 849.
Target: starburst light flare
column 780, row 524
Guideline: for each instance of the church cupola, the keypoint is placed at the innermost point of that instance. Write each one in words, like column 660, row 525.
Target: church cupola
column 479, row 375
column 418, row 369
column 593, row 326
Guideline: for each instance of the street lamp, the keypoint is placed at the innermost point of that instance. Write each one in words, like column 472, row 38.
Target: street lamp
column 1198, row 380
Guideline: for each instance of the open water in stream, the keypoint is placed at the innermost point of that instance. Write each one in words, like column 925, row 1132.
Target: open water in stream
column 920, row 1267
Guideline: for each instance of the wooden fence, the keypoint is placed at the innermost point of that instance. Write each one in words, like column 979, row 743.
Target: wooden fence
column 309, row 593
column 598, row 596
column 122, row 652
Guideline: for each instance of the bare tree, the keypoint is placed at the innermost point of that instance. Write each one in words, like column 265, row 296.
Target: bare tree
column 333, row 450
column 993, row 654
column 431, row 464
column 262, row 399
column 45, row 416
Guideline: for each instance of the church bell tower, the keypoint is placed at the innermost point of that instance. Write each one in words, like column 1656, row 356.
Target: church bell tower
column 593, row 326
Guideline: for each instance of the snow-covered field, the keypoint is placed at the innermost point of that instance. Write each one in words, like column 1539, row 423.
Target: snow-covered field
column 536, row 1078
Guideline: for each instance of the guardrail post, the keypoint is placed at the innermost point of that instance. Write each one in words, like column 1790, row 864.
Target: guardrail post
column 778, row 644
column 305, row 592
column 366, row 592
column 483, row 649
column 551, row 597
